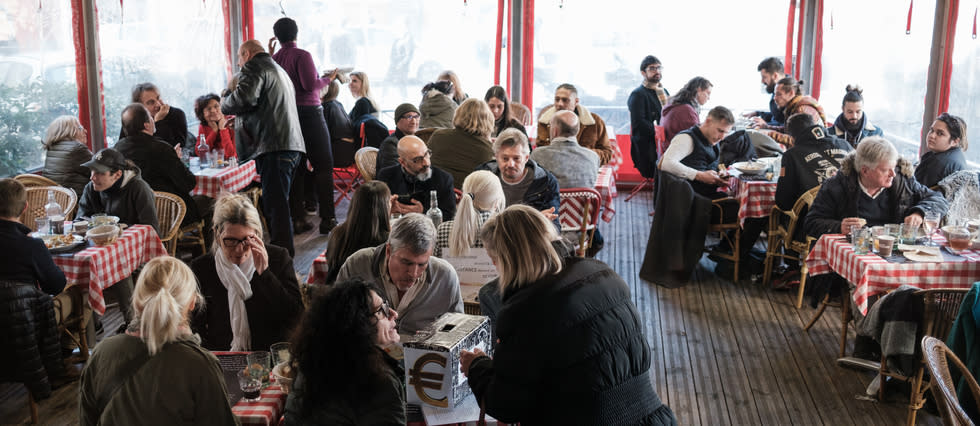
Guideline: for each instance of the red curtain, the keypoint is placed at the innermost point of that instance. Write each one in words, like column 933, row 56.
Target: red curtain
column 788, row 60
column 798, row 63
column 946, row 72
column 248, row 21
column 81, row 71
column 527, row 55
column 817, row 53
column 498, row 40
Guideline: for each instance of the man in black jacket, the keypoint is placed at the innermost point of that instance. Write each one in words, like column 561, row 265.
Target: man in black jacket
column 406, row 123
column 413, row 178
column 523, row 180
column 645, row 105
column 160, row 166
column 170, row 122
column 31, row 261
column 814, row 158
column 267, row 130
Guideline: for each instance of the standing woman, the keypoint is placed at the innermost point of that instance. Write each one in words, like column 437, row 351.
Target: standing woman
column 483, row 197
column 345, row 377
column 541, row 375
column 682, row 111
column 459, row 95
column 64, row 142
column 360, row 89
column 156, row 371
column 214, row 125
column 503, row 118
column 946, row 142
column 367, row 225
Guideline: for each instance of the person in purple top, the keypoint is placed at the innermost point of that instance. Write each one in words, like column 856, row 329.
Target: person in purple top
column 298, row 63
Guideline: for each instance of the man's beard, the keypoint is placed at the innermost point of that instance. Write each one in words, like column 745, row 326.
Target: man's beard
column 770, row 88
column 424, row 176
column 654, row 80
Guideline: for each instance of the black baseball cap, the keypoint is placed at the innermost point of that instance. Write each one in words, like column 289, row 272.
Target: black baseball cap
column 106, row 160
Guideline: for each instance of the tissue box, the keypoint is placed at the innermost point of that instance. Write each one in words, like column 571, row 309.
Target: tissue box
column 432, row 374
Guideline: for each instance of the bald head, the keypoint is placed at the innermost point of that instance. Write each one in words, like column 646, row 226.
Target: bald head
column 248, row 50
column 564, row 124
column 414, row 157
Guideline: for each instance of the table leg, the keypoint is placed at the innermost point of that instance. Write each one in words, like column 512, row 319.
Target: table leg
column 845, row 318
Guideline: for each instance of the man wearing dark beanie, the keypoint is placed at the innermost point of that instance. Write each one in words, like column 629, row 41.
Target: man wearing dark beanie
column 406, row 123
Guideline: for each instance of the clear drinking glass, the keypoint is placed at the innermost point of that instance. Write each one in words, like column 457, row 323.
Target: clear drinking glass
column 251, row 386
column 860, row 237
column 258, row 365
column 908, row 233
column 43, row 225
column 930, row 223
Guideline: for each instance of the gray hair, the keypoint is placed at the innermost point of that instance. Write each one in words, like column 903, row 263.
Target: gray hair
column 414, row 232
column 872, row 151
column 63, row 128
column 511, row 137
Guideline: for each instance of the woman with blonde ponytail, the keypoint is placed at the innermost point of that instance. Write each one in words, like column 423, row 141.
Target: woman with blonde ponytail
column 482, row 198
column 156, row 371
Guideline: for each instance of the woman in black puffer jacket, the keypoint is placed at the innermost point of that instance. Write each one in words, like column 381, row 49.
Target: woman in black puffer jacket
column 570, row 346
column 66, row 151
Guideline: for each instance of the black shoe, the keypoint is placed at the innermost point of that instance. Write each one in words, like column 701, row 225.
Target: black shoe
column 301, row 226
column 327, row 225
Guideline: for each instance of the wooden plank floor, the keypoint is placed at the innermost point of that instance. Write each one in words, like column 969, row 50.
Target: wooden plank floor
column 722, row 353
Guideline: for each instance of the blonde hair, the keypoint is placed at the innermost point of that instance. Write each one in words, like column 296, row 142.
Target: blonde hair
column 63, row 128
column 481, row 192
column 458, row 94
column 165, row 291
column 236, row 210
column 474, row 117
column 365, row 88
column 519, row 241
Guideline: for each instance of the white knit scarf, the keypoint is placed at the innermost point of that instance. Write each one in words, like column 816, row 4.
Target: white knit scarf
column 236, row 279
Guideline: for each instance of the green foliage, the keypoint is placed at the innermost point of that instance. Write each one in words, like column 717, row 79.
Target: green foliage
column 25, row 112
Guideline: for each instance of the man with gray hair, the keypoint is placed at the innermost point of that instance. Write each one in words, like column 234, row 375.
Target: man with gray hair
column 523, row 180
column 573, row 165
column 419, row 286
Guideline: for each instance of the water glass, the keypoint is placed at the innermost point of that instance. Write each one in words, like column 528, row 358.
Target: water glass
column 258, row 365
column 43, row 225
column 893, row 229
column 860, row 238
column 213, row 160
column 280, row 353
column 908, row 233
column 877, row 231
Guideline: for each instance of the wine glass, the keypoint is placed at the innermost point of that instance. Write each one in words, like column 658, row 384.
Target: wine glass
column 930, row 222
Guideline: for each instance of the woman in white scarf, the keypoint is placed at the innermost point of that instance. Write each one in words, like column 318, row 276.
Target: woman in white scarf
column 255, row 300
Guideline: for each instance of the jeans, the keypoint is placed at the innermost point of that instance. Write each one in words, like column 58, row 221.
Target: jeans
column 276, row 170
column 318, row 151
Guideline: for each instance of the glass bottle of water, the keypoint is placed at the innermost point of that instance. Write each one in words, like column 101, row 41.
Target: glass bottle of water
column 55, row 214
column 434, row 214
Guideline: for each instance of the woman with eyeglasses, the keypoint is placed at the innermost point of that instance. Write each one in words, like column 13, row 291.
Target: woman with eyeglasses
column 345, row 377
column 570, row 346
column 250, row 289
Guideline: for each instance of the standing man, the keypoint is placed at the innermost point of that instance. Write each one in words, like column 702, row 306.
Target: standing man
column 307, row 83
column 771, row 70
column 646, row 104
column 592, row 130
column 853, row 124
column 413, row 178
column 406, row 123
column 267, row 130
column 170, row 122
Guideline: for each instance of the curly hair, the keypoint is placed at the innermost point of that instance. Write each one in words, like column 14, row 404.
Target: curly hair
column 335, row 346
column 367, row 225
column 689, row 93
column 201, row 103
column 957, row 128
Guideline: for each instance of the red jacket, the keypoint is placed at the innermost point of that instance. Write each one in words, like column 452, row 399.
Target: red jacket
column 227, row 141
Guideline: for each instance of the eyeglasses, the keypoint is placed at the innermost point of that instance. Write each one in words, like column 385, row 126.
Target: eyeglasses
column 411, row 117
column 385, row 310
column 421, row 158
column 655, row 68
column 234, row 242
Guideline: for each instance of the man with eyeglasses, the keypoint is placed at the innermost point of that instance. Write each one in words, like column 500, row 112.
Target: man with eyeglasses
column 645, row 105
column 421, row 287
column 406, row 124
column 413, row 178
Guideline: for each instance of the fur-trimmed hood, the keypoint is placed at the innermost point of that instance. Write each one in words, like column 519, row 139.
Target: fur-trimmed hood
column 848, row 166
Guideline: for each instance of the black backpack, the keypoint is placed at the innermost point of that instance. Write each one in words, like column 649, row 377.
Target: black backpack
column 737, row 147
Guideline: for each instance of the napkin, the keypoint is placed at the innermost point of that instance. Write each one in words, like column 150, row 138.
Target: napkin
column 917, row 253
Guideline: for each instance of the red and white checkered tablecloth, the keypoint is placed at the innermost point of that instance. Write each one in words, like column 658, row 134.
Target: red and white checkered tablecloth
column 606, row 185
column 318, row 272
column 101, row 267
column 755, row 198
column 212, row 183
column 266, row 411
column 872, row 275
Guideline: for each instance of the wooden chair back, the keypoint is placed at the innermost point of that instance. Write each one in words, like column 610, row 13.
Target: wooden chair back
column 37, row 197
column 578, row 211
column 170, row 212
column 31, row 179
column 365, row 158
column 782, row 230
column 937, row 358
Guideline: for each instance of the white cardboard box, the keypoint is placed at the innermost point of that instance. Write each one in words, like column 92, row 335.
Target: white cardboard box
column 432, row 374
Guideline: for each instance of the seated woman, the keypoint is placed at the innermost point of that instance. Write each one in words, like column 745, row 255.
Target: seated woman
column 217, row 131
column 499, row 104
column 360, row 89
column 437, row 108
column 250, row 288
column 345, row 377
column 462, row 149
column 541, row 376
column 483, row 197
column 681, row 112
column 367, row 225
column 122, row 381
column 459, row 95
column 946, row 142
column 64, row 142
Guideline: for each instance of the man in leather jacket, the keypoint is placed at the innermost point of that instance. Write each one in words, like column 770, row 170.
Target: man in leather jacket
column 268, row 132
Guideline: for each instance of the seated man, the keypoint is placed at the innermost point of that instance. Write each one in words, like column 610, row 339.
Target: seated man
column 814, row 158
column 592, row 130
column 412, row 179
column 573, row 165
column 523, row 180
column 771, row 70
column 31, row 261
column 406, row 124
column 413, row 282
column 853, row 124
column 170, row 123
column 159, row 164
column 693, row 154
column 790, row 98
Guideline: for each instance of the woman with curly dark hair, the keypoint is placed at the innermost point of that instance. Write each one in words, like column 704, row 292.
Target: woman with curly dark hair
column 367, row 225
column 217, row 130
column 345, row 377
column 681, row 112
column 946, row 142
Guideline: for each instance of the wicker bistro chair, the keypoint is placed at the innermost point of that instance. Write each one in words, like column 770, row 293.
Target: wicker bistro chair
column 940, row 309
column 192, row 236
column 578, row 212
column 727, row 231
column 365, row 159
column 37, row 197
column 937, row 359
column 31, row 179
column 781, row 235
column 170, row 212
column 73, row 313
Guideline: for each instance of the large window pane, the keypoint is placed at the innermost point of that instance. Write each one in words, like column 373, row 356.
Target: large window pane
column 868, row 46
column 964, row 96
column 400, row 45
column 178, row 45
column 598, row 46
column 35, row 52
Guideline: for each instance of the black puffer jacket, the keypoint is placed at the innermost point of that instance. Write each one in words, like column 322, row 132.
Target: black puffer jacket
column 32, row 352
column 265, row 102
column 571, row 350
column 63, row 164
column 838, row 198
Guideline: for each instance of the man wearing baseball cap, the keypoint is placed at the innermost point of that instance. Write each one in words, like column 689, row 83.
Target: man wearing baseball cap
column 406, row 123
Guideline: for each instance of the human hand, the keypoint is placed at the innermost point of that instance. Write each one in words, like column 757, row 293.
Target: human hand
column 758, row 123
column 164, row 110
column 711, row 177
column 272, row 45
column 549, row 213
column 914, row 219
column 179, row 151
column 849, row 222
column 259, row 255
column 222, row 123
column 331, row 74
column 415, row 207
column 466, row 358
